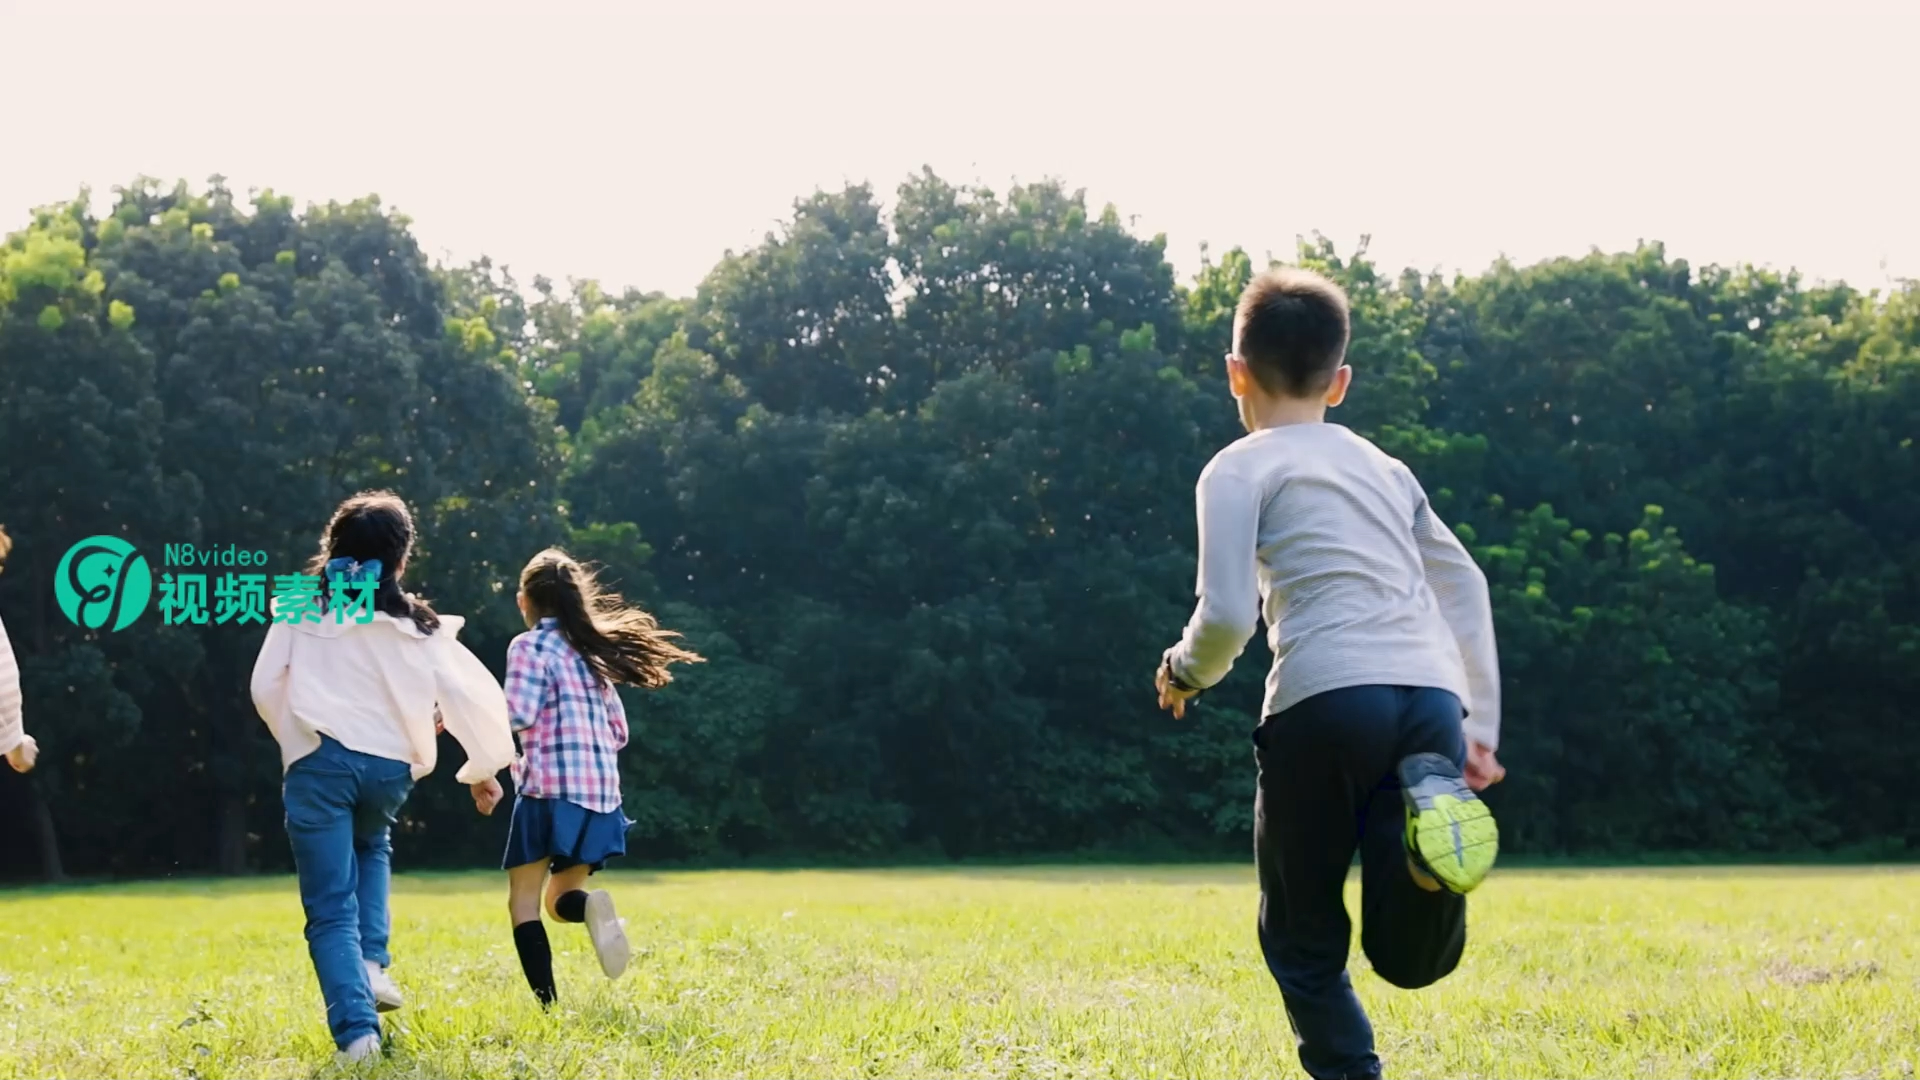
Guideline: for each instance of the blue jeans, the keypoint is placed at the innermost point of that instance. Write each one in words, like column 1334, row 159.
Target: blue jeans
column 340, row 804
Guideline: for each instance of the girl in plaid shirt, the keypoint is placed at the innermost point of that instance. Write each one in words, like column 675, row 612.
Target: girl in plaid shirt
column 580, row 644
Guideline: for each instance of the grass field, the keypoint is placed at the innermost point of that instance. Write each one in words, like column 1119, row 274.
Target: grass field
column 1136, row 972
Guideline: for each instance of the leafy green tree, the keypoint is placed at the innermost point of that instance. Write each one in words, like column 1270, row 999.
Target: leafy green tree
column 803, row 319
column 1643, row 705
column 989, row 281
column 918, row 481
column 80, row 455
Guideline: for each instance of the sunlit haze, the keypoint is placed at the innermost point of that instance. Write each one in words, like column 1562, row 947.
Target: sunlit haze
column 634, row 143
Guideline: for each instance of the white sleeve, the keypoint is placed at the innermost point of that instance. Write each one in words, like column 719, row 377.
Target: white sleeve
column 269, row 683
column 474, row 711
column 1461, row 588
column 12, row 729
column 1229, row 586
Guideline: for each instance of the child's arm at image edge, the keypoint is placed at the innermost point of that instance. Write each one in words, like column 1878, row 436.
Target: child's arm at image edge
column 1460, row 586
column 1229, row 610
column 13, row 730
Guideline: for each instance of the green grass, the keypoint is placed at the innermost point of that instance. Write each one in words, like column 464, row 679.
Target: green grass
column 1133, row 972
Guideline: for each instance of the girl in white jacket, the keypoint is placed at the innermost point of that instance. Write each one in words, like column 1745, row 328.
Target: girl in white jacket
column 352, row 689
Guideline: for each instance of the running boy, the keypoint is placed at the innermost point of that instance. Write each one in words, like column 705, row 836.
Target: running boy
column 1382, row 708
column 561, row 678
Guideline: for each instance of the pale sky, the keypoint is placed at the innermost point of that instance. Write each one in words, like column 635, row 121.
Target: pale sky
column 635, row 142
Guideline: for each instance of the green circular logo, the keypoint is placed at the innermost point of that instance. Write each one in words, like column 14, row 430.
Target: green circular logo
column 102, row 583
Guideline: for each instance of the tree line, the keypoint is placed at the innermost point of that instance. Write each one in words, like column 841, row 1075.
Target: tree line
column 917, row 479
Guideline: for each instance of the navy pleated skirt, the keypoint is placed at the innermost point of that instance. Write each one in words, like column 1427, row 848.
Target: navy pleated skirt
column 564, row 833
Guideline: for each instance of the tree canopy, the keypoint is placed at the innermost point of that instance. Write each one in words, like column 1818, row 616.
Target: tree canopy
column 916, row 476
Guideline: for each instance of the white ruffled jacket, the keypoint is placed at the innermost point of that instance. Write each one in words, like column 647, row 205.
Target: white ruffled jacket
column 377, row 688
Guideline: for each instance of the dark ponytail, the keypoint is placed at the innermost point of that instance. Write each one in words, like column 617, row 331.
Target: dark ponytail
column 374, row 525
column 623, row 644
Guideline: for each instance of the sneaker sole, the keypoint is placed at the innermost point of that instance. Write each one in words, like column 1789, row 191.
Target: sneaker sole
column 363, row 1050
column 608, row 936
column 1450, row 833
column 389, row 1000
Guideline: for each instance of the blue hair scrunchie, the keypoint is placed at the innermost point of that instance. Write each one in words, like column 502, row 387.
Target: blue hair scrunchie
column 349, row 570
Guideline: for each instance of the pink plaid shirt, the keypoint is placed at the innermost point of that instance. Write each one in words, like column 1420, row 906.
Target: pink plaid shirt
column 571, row 725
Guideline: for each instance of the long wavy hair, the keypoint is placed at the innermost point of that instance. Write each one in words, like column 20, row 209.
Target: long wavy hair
column 623, row 644
column 375, row 525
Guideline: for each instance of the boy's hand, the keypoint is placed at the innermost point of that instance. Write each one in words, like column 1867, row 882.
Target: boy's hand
column 486, row 795
column 22, row 757
column 1483, row 769
column 1172, row 698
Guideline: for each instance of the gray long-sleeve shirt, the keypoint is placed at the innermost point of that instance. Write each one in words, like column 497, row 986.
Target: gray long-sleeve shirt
column 1333, row 542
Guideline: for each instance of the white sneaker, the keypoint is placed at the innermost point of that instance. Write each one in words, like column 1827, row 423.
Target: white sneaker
column 608, row 932
column 386, row 996
column 364, row 1048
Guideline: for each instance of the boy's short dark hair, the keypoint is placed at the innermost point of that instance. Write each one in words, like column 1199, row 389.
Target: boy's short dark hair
column 1293, row 331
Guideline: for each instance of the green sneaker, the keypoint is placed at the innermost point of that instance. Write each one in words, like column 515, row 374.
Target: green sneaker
column 1451, row 834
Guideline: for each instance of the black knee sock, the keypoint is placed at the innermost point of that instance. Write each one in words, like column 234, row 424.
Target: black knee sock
column 536, row 959
column 571, row 906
